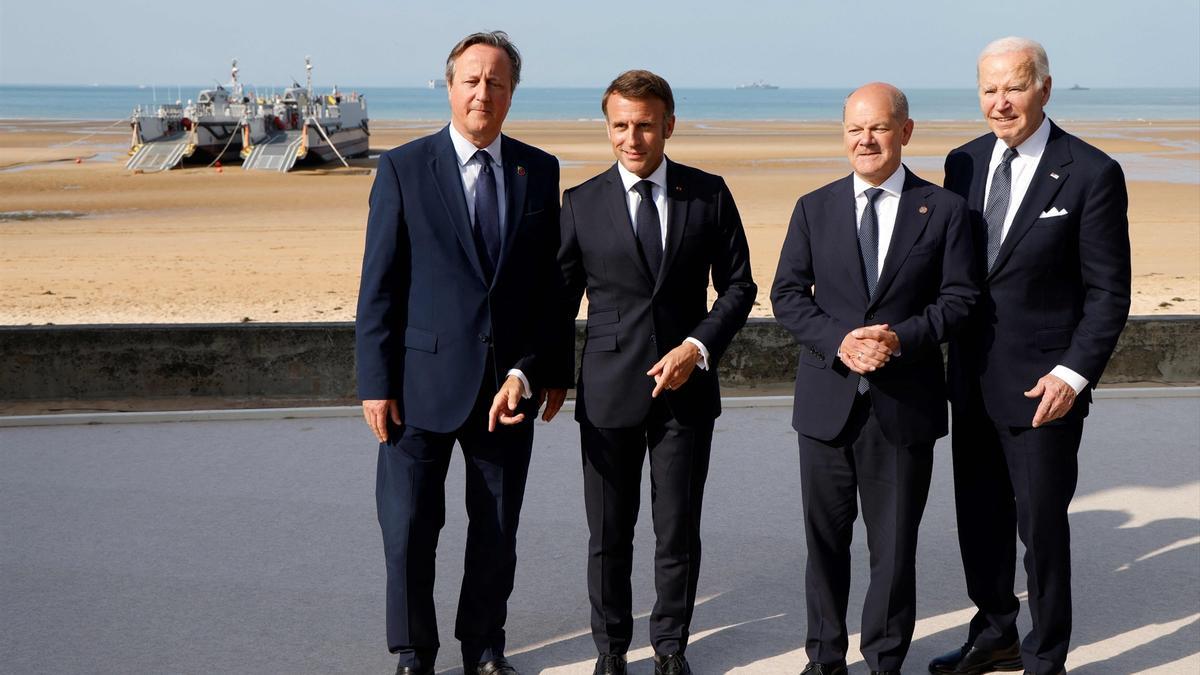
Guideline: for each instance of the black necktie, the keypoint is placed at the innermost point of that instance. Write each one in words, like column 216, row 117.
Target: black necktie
column 868, row 245
column 997, row 205
column 487, row 213
column 649, row 229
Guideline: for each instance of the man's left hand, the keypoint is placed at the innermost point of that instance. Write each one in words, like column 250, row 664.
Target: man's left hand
column 674, row 369
column 504, row 405
column 1057, row 398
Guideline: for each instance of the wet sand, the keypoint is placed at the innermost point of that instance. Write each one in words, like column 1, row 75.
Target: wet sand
column 88, row 242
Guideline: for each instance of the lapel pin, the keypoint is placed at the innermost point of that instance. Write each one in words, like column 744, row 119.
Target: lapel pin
column 1054, row 176
column 923, row 210
column 520, row 170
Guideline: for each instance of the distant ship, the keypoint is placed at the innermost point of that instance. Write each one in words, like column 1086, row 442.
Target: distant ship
column 757, row 84
column 437, row 84
column 1078, row 88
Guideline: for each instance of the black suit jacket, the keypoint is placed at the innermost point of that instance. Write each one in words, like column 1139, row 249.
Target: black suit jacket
column 633, row 321
column 924, row 292
column 1059, row 290
column 427, row 316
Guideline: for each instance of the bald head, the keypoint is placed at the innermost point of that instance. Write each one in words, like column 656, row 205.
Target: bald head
column 895, row 98
column 875, row 126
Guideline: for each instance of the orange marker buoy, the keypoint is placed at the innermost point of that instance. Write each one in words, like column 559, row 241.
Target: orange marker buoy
column 79, row 160
column 220, row 170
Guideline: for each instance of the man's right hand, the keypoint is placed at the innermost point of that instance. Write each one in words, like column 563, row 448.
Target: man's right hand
column 377, row 413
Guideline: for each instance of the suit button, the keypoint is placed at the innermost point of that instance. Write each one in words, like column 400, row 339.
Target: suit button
column 652, row 338
column 484, row 338
column 870, row 316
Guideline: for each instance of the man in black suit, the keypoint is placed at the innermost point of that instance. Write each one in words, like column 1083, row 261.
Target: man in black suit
column 642, row 239
column 875, row 273
column 459, row 286
column 1050, row 215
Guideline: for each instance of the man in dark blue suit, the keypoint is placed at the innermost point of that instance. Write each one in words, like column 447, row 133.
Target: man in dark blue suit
column 456, row 331
column 1049, row 213
column 642, row 239
column 875, row 273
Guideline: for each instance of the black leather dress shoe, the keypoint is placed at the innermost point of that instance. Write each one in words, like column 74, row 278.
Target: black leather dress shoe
column 970, row 660
column 406, row 670
column 671, row 664
column 499, row 666
column 814, row 668
column 610, row 664
column 885, row 672
column 1061, row 672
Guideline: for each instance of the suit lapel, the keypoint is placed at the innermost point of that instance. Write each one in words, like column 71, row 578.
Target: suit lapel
column 515, row 183
column 910, row 223
column 443, row 163
column 979, row 177
column 677, row 197
column 1049, row 176
column 622, row 227
column 843, row 218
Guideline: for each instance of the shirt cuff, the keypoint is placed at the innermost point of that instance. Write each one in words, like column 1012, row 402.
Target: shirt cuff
column 1077, row 381
column 526, row 392
column 703, row 365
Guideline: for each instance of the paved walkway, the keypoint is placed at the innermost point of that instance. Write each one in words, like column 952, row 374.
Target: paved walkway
column 252, row 547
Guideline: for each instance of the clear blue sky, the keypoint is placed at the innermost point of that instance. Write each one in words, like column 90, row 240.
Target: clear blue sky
column 914, row 43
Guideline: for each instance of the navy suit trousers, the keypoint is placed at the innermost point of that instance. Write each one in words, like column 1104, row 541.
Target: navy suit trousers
column 411, row 501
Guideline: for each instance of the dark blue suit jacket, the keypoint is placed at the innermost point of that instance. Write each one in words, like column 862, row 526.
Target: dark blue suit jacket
column 924, row 292
column 633, row 321
column 1059, row 290
column 427, row 317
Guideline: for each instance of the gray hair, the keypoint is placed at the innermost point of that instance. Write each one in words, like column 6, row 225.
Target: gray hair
column 898, row 100
column 495, row 38
column 1008, row 45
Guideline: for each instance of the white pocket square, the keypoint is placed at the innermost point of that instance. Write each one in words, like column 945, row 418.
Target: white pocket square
column 1053, row 213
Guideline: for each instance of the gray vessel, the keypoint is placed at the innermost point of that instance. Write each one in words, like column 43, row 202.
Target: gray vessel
column 303, row 125
column 209, row 128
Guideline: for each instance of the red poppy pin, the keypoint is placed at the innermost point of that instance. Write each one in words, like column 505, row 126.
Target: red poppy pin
column 520, row 170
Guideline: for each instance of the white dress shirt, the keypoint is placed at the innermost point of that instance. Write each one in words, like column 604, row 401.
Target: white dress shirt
column 1024, row 167
column 658, row 190
column 886, row 205
column 469, row 168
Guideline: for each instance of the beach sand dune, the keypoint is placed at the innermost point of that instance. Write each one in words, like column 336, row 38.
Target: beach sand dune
column 89, row 242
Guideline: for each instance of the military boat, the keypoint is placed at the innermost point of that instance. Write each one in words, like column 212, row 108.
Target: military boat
column 303, row 125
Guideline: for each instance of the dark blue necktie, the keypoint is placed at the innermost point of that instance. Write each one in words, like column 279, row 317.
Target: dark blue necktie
column 868, row 245
column 487, row 213
column 868, row 241
column 649, row 229
column 997, row 205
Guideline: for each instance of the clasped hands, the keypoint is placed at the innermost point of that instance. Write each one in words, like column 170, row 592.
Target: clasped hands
column 867, row 349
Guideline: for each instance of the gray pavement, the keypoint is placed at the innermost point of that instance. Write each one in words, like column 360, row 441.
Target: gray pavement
column 252, row 547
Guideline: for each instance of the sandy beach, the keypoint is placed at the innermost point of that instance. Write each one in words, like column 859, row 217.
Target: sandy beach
column 89, row 242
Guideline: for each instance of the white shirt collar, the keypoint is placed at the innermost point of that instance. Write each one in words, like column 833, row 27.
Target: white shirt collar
column 894, row 184
column 658, row 177
column 1032, row 148
column 466, row 149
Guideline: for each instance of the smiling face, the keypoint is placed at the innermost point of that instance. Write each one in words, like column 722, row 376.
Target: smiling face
column 872, row 133
column 480, row 93
column 1009, row 96
column 638, row 129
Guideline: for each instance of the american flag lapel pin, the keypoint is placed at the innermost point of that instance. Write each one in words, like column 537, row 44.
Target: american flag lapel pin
column 520, row 170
